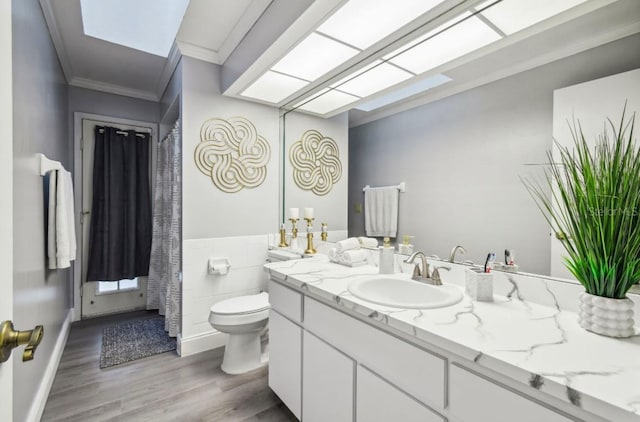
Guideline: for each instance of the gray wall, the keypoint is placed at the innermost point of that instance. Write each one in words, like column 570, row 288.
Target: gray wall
column 103, row 103
column 462, row 157
column 40, row 125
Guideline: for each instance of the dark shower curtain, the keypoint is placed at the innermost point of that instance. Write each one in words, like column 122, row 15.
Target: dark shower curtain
column 120, row 233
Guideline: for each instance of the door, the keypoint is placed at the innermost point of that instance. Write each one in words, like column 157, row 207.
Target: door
column 103, row 297
column 592, row 103
column 6, row 205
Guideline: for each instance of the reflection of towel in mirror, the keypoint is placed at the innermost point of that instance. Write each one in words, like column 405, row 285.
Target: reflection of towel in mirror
column 61, row 245
column 355, row 255
column 368, row 242
column 381, row 211
column 347, row 245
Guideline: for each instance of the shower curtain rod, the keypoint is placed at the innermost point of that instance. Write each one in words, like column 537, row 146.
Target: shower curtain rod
column 122, row 132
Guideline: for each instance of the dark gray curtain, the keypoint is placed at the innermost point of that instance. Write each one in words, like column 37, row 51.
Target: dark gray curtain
column 120, row 233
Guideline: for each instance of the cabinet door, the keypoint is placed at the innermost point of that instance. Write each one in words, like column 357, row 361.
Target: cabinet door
column 473, row 398
column 285, row 361
column 327, row 382
column 379, row 401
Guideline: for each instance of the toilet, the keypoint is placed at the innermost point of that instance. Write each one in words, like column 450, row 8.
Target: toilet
column 244, row 319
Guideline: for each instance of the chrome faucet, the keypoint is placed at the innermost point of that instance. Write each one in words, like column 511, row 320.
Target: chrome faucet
column 421, row 274
column 452, row 255
column 435, row 275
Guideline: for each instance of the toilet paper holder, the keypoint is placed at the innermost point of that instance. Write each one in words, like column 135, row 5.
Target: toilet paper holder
column 218, row 266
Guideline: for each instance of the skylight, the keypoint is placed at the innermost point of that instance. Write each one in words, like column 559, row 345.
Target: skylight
column 146, row 25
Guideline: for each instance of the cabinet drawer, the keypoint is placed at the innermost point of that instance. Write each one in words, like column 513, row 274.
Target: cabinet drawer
column 473, row 398
column 416, row 371
column 379, row 401
column 286, row 301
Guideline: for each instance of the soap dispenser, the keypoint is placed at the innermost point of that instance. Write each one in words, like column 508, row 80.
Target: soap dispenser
column 405, row 247
column 386, row 257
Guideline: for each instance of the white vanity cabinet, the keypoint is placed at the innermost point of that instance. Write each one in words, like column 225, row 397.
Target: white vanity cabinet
column 285, row 346
column 474, row 398
column 327, row 382
column 379, row 401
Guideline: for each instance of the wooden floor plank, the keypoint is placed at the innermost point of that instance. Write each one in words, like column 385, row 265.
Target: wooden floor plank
column 159, row 388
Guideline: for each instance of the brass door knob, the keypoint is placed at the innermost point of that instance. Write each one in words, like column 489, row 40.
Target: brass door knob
column 10, row 339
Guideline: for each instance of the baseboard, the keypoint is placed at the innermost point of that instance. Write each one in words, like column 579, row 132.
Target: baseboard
column 40, row 399
column 200, row 343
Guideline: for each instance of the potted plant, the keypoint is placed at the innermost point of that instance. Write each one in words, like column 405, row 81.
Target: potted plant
column 590, row 197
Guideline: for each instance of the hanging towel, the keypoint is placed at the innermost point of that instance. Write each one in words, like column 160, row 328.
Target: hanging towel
column 51, row 221
column 381, row 211
column 65, row 231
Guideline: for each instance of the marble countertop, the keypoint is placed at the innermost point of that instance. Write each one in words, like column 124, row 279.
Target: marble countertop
column 540, row 346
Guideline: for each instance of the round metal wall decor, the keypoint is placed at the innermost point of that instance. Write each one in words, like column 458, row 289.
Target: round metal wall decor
column 316, row 162
column 232, row 154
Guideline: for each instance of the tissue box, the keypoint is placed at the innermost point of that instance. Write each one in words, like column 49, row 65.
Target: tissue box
column 479, row 285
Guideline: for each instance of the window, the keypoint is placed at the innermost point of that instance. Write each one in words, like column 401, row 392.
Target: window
column 108, row 287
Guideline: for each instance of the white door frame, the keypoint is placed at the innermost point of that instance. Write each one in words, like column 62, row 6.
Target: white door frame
column 77, row 183
column 6, row 205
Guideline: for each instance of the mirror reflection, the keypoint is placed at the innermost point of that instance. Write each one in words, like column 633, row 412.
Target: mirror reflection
column 462, row 154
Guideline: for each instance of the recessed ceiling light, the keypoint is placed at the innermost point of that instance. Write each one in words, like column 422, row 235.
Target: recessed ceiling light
column 372, row 79
column 273, row 87
column 313, row 57
column 361, row 23
column 406, row 92
column 146, row 25
column 463, row 38
column 511, row 16
column 328, row 100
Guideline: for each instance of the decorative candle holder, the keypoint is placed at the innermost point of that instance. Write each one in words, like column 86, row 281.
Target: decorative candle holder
column 283, row 237
column 310, row 249
column 323, row 233
column 294, row 229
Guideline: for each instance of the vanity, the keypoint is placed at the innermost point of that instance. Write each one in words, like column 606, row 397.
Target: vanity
column 334, row 357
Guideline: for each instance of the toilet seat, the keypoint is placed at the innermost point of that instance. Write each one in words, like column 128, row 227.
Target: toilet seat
column 240, row 310
column 242, row 305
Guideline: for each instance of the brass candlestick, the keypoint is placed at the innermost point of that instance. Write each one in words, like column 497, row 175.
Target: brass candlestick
column 294, row 229
column 323, row 233
column 283, row 237
column 310, row 249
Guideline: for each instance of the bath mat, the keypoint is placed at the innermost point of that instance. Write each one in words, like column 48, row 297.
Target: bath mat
column 129, row 341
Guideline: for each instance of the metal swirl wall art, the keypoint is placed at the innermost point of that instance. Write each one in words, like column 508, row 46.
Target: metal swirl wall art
column 316, row 162
column 232, row 154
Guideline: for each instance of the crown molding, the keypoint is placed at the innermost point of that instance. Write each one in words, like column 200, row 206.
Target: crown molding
column 114, row 89
column 197, row 52
column 56, row 38
column 242, row 27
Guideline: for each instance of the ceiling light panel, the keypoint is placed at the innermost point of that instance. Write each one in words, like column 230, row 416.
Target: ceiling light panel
column 375, row 78
column 134, row 24
column 273, row 87
column 328, row 101
column 457, row 41
column 361, row 23
column 405, row 92
column 511, row 16
column 314, row 56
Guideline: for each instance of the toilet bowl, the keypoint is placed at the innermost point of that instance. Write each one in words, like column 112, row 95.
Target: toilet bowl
column 244, row 319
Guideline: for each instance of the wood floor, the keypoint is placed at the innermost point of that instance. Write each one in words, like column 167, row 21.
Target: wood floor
column 159, row 388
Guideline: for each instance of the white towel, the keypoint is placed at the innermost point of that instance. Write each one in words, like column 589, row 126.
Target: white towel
column 381, row 211
column 368, row 242
column 65, row 238
column 354, row 255
column 51, row 221
column 347, row 244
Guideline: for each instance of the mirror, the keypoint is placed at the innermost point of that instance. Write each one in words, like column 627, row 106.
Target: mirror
column 462, row 156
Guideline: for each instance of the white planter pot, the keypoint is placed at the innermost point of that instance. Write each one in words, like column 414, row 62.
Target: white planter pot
column 606, row 316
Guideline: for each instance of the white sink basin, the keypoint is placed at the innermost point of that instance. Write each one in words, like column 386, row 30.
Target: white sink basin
column 404, row 293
